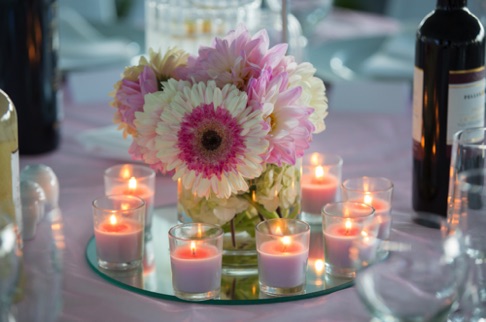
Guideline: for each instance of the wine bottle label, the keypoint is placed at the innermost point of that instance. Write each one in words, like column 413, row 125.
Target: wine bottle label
column 466, row 101
column 418, row 94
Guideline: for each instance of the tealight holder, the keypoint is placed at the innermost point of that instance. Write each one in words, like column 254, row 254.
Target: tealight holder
column 196, row 260
column 283, row 250
column 376, row 192
column 133, row 179
column 320, row 184
column 343, row 223
column 119, row 229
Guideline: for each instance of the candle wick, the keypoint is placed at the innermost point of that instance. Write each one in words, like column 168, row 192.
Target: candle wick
column 284, row 249
column 193, row 252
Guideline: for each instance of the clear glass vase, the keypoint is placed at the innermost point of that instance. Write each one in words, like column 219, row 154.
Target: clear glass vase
column 275, row 193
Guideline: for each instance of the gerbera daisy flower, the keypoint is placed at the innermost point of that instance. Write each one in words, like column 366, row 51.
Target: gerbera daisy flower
column 290, row 128
column 142, row 79
column 234, row 59
column 313, row 89
column 209, row 137
column 143, row 146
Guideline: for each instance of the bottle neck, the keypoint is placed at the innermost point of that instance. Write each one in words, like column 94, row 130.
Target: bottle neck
column 451, row 4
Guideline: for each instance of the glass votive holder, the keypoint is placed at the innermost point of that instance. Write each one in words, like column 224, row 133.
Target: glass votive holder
column 343, row 223
column 133, row 179
column 196, row 260
column 320, row 184
column 376, row 192
column 283, row 250
column 119, row 230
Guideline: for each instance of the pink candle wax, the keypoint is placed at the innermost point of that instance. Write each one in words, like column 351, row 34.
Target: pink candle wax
column 140, row 190
column 280, row 265
column 120, row 241
column 316, row 192
column 196, row 270
column 382, row 213
column 338, row 240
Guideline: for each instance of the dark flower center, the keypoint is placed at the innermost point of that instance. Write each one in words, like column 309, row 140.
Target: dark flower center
column 211, row 140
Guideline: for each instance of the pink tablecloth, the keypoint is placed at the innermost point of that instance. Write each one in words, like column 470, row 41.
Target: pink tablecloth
column 371, row 143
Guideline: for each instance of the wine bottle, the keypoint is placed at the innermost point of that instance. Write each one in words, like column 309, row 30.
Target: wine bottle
column 9, row 176
column 28, row 70
column 448, row 95
column 9, row 162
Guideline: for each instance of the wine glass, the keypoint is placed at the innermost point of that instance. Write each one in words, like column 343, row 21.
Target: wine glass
column 419, row 280
column 468, row 152
column 470, row 207
column 9, row 266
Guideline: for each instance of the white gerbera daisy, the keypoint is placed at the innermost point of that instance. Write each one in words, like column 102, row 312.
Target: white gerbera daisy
column 211, row 139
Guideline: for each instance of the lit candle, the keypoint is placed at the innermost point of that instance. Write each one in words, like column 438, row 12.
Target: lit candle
column 342, row 224
column 318, row 189
column 283, row 250
column 376, row 192
column 196, row 251
column 338, row 240
column 382, row 214
column 135, row 180
column 119, row 240
column 282, row 263
column 196, row 268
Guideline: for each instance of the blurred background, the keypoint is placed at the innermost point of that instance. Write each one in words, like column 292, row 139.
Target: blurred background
column 353, row 44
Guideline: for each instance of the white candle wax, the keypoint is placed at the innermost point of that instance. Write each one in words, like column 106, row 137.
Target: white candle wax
column 316, row 192
column 282, row 266
column 338, row 240
column 119, row 242
column 196, row 270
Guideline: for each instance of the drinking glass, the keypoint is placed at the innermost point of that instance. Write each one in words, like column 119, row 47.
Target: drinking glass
column 468, row 152
column 9, row 266
column 420, row 279
column 470, row 204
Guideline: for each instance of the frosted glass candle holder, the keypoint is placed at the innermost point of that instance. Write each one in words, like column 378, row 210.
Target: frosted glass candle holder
column 118, row 230
column 133, row 179
column 320, row 184
column 343, row 223
column 196, row 260
column 283, row 250
column 376, row 192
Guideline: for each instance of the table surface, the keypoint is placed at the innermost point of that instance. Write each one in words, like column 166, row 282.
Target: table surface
column 371, row 141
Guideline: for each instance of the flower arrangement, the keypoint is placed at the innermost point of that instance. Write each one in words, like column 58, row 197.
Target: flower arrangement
column 230, row 124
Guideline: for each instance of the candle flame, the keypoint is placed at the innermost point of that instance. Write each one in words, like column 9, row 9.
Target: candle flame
column 347, row 226
column 126, row 172
column 125, row 206
column 193, row 248
column 368, row 199
column 286, row 241
column 278, row 231
column 113, row 220
column 132, row 184
column 319, row 172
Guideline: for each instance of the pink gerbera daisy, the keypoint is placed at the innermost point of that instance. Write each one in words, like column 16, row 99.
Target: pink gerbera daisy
column 209, row 137
column 234, row 59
